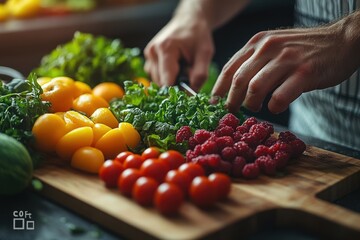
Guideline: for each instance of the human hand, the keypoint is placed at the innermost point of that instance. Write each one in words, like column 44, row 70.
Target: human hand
column 286, row 63
column 182, row 38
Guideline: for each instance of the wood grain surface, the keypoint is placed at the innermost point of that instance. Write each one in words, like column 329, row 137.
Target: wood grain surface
column 299, row 198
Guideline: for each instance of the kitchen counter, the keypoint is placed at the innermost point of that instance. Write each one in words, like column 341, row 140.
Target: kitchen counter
column 24, row 42
column 52, row 221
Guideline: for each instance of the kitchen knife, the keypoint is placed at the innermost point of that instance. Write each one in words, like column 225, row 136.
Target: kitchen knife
column 182, row 79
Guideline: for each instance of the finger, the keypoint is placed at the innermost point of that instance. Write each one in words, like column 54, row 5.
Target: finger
column 225, row 78
column 151, row 64
column 286, row 93
column 241, row 81
column 267, row 79
column 199, row 71
column 168, row 67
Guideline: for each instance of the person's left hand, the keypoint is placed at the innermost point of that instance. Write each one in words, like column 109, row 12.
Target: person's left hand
column 287, row 62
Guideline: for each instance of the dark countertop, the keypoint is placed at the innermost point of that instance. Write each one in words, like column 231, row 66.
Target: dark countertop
column 52, row 221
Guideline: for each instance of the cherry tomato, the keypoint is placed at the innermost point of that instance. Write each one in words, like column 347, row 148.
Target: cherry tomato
column 144, row 190
column 192, row 169
column 151, row 152
column 174, row 158
column 181, row 179
column 221, row 184
column 154, row 168
column 110, row 172
column 133, row 161
column 122, row 156
column 127, row 180
column 202, row 192
column 168, row 198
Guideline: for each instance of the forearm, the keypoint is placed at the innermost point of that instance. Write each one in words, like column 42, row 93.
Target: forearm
column 214, row 12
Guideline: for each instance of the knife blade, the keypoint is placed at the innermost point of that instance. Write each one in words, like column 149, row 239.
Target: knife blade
column 182, row 79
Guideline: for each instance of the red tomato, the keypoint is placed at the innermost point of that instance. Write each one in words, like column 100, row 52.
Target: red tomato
column 122, row 156
column 192, row 169
column 109, row 172
column 221, row 184
column 154, row 168
column 168, row 198
column 133, row 161
column 151, row 152
column 174, row 158
column 181, row 179
column 144, row 190
column 202, row 192
column 127, row 180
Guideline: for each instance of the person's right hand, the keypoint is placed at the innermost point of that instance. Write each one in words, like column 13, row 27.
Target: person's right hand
column 184, row 38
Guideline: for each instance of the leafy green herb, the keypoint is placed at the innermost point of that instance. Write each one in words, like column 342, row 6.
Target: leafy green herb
column 92, row 60
column 157, row 113
column 20, row 106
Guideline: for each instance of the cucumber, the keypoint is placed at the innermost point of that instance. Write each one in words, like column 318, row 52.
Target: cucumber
column 16, row 167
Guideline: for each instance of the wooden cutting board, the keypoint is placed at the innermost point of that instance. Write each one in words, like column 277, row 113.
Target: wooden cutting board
column 300, row 198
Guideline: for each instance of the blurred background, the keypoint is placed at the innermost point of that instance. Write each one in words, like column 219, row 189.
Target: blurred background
column 30, row 29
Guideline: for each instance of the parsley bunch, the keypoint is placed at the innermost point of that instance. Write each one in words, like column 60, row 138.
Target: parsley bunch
column 157, row 113
column 20, row 106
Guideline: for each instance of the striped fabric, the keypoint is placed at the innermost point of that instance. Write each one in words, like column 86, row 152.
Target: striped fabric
column 331, row 114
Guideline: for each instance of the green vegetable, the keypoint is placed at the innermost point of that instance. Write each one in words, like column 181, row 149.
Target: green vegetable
column 20, row 106
column 159, row 112
column 93, row 60
column 16, row 167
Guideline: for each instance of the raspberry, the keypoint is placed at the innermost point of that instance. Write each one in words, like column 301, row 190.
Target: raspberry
column 213, row 160
column 259, row 131
column 209, row 147
column 243, row 149
column 228, row 153
column 237, row 166
column 192, row 143
column 224, row 141
column 266, row 164
column 183, row 134
column 224, row 167
column 251, row 171
column 237, row 136
column 224, row 130
column 209, row 162
column 242, row 129
column 281, row 159
column 298, row 147
column 249, row 122
column 197, row 150
column 250, row 139
column 270, row 167
column 286, row 136
column 269, row 127
column 261, row 150
column 270, row 141
column 230, row 120
column 280, row 146
column 190, row 155
column 201, row 135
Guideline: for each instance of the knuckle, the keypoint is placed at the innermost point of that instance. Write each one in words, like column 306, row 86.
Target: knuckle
column 165, row 44
column 257, row 37
column 287, row 54
column 279, row 100
column 254, row 87
column 226, row 71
